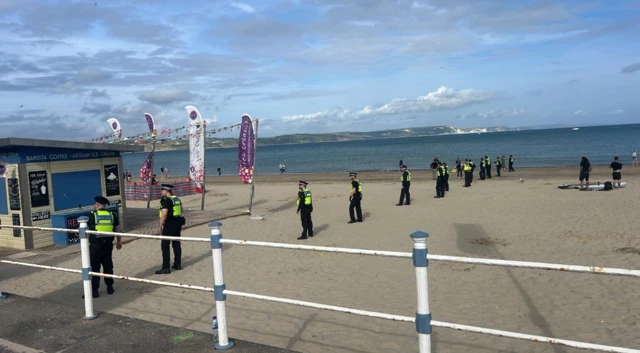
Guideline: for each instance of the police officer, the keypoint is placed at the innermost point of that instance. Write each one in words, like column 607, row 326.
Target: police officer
column 487, row 163
column 305, row 207
column 467, row 173
column 405, row 178
column 483, row 167
column 440, row 182
column 101, row 247
column 446, row 176
column 498, row 165
column 355, row 198
column 511, row 163
column 473, row 169
column 171, row 222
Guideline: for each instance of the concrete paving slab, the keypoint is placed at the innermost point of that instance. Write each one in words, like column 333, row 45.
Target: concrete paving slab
column 36, row 326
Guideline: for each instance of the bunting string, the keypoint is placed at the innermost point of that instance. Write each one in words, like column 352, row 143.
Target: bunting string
column 161, row 135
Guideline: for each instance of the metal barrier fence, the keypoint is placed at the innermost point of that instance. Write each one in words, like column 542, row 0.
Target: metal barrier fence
column 420, row 257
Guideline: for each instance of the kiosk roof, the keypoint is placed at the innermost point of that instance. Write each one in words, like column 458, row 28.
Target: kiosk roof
column 16, row 142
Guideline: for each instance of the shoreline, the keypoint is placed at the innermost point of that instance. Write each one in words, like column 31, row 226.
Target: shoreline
column 570, row 174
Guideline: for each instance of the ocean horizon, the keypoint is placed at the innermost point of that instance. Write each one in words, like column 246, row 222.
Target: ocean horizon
column 557, row 147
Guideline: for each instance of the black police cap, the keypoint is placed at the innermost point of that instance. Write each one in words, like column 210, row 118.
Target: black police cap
column 302, row 183
column 167, row 187
column 353, row 174
column 100, row 200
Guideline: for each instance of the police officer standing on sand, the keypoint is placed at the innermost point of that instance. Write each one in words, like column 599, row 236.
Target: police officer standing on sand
column 473, row 169
column 467, row 173
column 101, row 247
column 446, row 176
column 440, row 182
column 405, row 178
column 355, row 199
column 305, row 207
column 483, row 168
column 171, row 222
column 511, row 163
column 487, row 163
column 498, row 165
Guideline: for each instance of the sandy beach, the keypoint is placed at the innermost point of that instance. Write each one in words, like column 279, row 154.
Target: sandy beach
column 498, row 218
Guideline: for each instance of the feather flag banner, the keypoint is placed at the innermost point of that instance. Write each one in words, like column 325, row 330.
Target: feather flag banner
column 246, row 150
column 115, row 126
column 196, row 144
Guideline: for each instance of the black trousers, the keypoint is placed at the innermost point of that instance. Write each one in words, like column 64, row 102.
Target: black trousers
column 498, row 168
column 489, row 172
column 459, row 171
column 511, row 167
column 482, row 173
column 307, row 224
column 100, row 253
column 440, row 187
column 446, row 182
column 171, row 229
column 354, row 205
column 467, row 179
column 404, row 192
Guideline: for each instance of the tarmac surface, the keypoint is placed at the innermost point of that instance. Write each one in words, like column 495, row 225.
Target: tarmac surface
column 36, row 326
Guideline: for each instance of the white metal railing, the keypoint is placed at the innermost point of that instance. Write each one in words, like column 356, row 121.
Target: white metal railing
column 419, row 255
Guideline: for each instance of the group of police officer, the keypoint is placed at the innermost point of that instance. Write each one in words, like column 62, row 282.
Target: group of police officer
column 101, row 247
column 305, row 202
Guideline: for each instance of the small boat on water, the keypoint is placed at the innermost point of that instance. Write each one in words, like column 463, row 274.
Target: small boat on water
column 575, row 129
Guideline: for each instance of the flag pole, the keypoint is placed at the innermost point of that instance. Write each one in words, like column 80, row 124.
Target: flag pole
column 153, row 157
column 204, row 161
column 253, row 177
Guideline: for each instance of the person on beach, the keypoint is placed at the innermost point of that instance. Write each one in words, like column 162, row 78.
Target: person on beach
column 162, row 172
column 585, row 169
column 166, row 172
column 511, row 163
column 401, row 163
column 305, row 207
column 467, row 173
column 440, row 183
column 281, row 168
column 473, row 169
column 487, row 162
column 498, row 165
column 635, row 157
column 101, row 247
column 446, row 176
column 405, row 178
column 483, row 168
column 617, row 171
column 219, row 170
column 171, row 222
column 502, row 163
column 355, row 199
column 458, row 168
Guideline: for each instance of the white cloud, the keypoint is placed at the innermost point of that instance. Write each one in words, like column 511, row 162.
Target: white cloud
column 243, row 7
column 441, row 99
column 580, row 112
column 616, row 112
column 165, row 95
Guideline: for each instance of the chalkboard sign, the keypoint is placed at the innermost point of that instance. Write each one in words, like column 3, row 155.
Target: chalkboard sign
column 14, row 194
column 39, row 188
column 111, row 180
column 15, row 220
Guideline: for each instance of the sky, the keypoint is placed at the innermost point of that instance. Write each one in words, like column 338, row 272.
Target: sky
column 312, row 66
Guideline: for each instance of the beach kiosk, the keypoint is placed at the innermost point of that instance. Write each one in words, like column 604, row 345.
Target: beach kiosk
column 46, row 183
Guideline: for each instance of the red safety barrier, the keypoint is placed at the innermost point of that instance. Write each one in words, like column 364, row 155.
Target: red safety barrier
column 139, row 192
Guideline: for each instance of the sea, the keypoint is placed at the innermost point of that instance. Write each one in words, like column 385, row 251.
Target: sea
column 558, row 147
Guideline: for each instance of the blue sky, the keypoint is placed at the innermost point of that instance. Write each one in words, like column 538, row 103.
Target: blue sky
column 308, row 66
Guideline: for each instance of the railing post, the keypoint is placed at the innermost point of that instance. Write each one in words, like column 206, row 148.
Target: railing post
column 86, row 268
column 219, row 287
column 423, row 315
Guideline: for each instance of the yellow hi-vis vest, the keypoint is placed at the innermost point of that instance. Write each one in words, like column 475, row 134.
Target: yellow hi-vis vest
column 177, row 206
column 104, row 221
column 467, row 167
column 402, row 176
column 307, row 198
column 359, row 185
column 446, row 170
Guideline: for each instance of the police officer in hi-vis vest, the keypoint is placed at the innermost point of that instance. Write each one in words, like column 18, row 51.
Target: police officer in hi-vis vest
column 355, row 198
column 440, row 182
column 511, row 163
column 446, row 176
column 171, row 222
column 487, row 162
column 101, row 247
column 498, row 165
column 305, row 207
column 405, row 178
column 483, row 168
column 467, row 173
